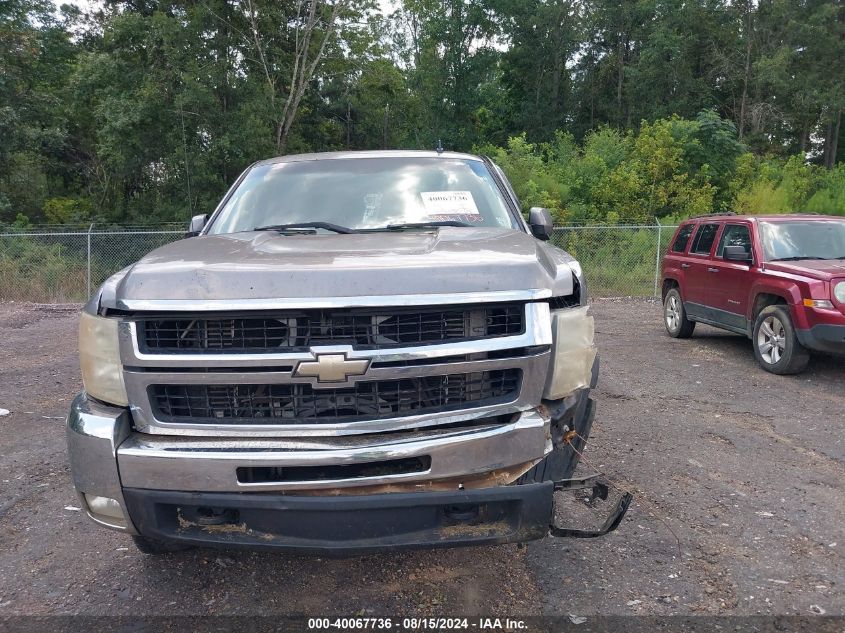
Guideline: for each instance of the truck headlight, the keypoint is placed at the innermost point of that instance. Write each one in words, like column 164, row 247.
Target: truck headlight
column 99, row 359
column 839, row 292
column 573, row 353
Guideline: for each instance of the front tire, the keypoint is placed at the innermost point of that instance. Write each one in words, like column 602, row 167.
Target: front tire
column 561, row 462
column 675, row 317
column 776, row 346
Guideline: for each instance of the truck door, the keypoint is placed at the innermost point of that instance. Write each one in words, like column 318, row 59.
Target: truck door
column 729, row 282
column 695, row 270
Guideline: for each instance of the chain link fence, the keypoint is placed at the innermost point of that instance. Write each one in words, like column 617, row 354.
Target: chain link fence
column 58, row 265
column 65, row 264
column 619, row 261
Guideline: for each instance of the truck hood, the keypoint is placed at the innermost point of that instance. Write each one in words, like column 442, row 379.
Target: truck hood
column 822, row 269
column 268, row 265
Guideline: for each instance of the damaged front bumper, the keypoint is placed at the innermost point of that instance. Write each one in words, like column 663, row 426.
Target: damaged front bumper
column 439, row 488
column 360, row 523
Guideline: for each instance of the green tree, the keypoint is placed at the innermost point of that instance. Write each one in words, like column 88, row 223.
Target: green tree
column 543, row 36
column 449, row 44
column 35, row 56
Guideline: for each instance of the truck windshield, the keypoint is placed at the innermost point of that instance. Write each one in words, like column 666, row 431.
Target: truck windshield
column 366, row 193
column 810, row 239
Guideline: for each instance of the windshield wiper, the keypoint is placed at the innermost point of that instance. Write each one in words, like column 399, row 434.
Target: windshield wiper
column 420, row 225
column 796, row 259
column 328, row 226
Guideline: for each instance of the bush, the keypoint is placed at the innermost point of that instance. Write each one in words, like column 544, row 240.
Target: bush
column 51, row 269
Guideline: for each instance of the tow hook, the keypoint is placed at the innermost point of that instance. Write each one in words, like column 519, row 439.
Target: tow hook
column 599, row 490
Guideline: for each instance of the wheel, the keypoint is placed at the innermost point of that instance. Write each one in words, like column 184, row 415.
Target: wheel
column 154, row 547
column 675, row 317
column 775, row 344
column 562, row 461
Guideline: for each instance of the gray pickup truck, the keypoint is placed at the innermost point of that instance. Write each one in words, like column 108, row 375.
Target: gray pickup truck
column 355, row 351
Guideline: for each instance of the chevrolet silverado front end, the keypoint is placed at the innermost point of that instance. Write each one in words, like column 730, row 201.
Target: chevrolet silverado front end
column 412, row 369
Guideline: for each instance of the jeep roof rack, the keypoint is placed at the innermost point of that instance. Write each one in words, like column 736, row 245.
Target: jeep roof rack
column 710, row 215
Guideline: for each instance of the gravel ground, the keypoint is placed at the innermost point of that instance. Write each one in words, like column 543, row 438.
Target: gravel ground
column 746, row 468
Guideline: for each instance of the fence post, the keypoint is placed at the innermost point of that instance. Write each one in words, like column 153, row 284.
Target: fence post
column 88, row 284
column 657, row 259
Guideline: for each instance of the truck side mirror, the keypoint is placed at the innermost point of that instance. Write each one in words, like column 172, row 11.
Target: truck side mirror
column 196, row 225
column 737, row 254
column 540, row 223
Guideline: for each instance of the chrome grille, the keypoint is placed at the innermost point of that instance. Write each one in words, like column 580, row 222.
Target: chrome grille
column 295, row 403
column 296, row 331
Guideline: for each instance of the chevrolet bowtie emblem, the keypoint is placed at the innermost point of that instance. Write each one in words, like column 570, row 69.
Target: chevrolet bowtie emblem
column 331, row 368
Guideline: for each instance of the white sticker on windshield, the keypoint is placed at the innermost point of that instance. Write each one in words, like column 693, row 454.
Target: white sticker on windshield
column 450, row 205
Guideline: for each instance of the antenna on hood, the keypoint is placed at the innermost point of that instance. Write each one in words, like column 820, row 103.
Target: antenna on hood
column 439, row 148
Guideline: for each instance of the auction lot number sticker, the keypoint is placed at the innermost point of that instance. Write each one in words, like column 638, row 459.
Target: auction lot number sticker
column 441, row 206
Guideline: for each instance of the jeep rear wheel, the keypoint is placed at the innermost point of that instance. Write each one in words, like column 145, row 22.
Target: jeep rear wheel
column 675, row 317
column 776, row 345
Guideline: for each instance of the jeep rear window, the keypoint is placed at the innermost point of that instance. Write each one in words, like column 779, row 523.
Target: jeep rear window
column 366, row 193
column 682, row 239
column 704, row 239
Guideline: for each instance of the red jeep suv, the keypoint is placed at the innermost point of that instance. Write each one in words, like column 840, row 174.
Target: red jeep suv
column 780, row 280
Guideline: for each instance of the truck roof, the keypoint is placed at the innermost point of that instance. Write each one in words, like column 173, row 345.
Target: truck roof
column 391, row 153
